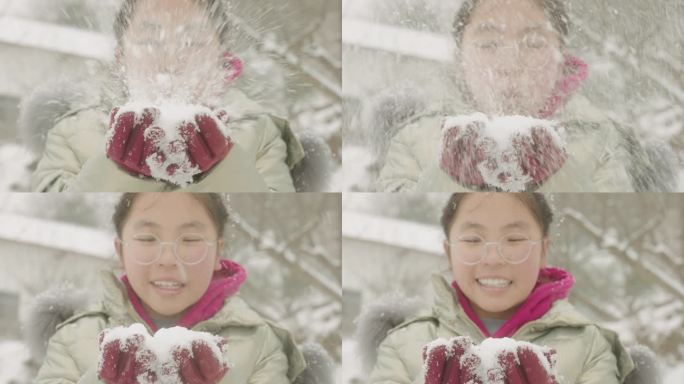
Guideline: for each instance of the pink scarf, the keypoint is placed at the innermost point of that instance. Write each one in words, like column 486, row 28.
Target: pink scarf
column 576, row 72
column 552, row 284
column 224, row 284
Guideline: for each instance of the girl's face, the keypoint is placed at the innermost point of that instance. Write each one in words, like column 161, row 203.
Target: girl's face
column 494, row 287
column 167, row 287
column 511, row 57
column 171, row 48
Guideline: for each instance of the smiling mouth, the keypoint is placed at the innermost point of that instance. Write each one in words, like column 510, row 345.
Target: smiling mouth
column 494, row 282
column 171, row 285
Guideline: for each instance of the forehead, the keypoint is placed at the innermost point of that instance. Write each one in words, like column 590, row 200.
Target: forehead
column 493, row 15
column 493, row 210
column 168, row 210
column 155, row 14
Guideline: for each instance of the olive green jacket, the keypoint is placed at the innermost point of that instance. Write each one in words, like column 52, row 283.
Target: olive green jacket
column 597, row 156
column 264, row 152
column 258, row 351
column 586, row 353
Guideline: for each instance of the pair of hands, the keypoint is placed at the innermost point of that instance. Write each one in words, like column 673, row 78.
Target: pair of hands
column 128, row 360
column 139, row 145
column 458, row 361
column 473, row 159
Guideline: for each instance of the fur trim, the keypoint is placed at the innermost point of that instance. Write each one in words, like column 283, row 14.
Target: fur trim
column 646, row 368
column 47, row 311
column 45, row 106
column 312, row 173
column 377, row 319
column 320, row 368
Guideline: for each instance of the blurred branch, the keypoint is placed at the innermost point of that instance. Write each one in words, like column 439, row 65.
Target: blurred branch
column 270, row 46
column 286, row 256
column 623, row 251
column 671, row 86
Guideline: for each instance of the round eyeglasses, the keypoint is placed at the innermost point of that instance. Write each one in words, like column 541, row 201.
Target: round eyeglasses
column 146, row 249
column 513, row 248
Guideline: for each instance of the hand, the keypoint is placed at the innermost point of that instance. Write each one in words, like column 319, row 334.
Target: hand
column 525, row 366
column 199, row 364
column 478, row 161
column 124, row 360
column 444, row 365
column 139, row 145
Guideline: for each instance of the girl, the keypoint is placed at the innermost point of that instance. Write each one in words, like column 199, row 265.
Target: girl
column 186, row 284
column 501, row 286
column 512, row 60
column 170, row 117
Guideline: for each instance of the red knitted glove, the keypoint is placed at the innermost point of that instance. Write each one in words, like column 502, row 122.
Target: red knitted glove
column 124, row 360
column 140, row 146
column 199, row 364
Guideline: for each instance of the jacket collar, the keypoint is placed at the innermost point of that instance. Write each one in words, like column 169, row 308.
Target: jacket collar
column 452, row 315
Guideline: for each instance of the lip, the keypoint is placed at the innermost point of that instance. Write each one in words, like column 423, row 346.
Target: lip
column 493, row 290
column 167, row 291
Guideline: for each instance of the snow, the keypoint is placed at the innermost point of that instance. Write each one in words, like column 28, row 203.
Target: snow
column 162, row 345
column 370, row 35
column 13, row 357
column 496, row 138
column 56, row 235
column 502, row 129
column 169, row 118
column 398, row 233
column 46, row 36
column 488, row 353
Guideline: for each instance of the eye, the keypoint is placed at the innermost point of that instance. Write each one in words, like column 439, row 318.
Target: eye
column 470, row 239
column 515, row 238
column 145, row 238
column 189, row 239
column 534, row 41
column 488, row 45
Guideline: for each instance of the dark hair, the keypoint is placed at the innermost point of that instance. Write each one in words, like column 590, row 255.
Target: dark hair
column 555, row 11
column 212, row 202
column 535, row 202
column 214, row 8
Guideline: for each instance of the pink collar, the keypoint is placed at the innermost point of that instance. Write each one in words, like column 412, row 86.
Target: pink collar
column 575, row 73
column 552, row 284
column 225, row 283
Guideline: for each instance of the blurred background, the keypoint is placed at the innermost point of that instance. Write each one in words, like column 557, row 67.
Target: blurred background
column 289, row 243
column 626, row 252
column 397, row 55
column 291, row 53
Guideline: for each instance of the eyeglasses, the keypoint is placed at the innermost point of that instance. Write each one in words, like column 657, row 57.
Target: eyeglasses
column 532, row 51
column 146, row 249
column 513, row 248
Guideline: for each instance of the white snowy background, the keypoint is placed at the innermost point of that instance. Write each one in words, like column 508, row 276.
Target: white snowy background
column 289, row 244
column 625, row 250
column 397, row 51
column 291, row 51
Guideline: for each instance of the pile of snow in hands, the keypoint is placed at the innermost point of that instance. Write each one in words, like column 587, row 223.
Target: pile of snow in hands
column 496, row 137
column 165, row 133
column 489, row 352
column 162, row 345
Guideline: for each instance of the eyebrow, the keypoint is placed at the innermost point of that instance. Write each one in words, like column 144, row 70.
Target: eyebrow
column 193, row 225
column 516, row 224
column 150, row 224
column 489, row 27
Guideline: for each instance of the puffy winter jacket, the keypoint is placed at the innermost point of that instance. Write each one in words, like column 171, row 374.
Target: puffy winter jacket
column 586, row 353
column 265, row 150
column 259, row 351
column 597, row 156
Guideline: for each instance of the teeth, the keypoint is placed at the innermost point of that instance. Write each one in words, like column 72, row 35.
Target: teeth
column 497, row 283
column 167, row 284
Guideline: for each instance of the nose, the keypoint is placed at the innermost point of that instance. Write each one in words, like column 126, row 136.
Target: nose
column 167, row 257
column 492, row 256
